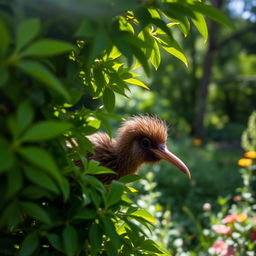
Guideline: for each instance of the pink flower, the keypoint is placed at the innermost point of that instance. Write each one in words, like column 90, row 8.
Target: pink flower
column 254, row 218
column 207, row 207
column 234, row 217
column 222, row 229
column 237, row 198
column 222, row 249
column 230, row 218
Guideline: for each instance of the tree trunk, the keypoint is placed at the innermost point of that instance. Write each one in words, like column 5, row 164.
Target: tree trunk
column 205, row 80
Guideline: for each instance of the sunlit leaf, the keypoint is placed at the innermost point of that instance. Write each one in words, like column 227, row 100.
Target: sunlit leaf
column 212, row 13
column 145, row 215
column 155, row 57
column 201, row 25
column 136, row 82
column 173, row 48
column 114, row 54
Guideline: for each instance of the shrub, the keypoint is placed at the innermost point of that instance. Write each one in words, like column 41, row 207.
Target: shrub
column 59, row 61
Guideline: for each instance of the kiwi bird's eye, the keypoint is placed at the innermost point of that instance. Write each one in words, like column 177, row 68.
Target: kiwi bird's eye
column 146, row 143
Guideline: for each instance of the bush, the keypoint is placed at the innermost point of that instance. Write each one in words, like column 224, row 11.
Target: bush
column 56, row 68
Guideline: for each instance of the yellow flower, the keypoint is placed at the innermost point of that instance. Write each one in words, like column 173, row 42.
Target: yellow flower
column 245, row 162
column 250, row 154
column 197, row 142
column 241, row 217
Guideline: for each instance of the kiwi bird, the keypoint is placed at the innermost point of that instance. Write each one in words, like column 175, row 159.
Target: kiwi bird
column 140, row 139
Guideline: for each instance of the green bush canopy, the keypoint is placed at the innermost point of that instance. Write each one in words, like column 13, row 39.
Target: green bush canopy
column 58, row 61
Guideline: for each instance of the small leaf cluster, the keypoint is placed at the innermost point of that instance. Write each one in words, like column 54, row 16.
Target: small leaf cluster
column 52, row 70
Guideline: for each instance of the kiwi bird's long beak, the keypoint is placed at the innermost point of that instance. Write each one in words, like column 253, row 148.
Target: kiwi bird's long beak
column 165, row 154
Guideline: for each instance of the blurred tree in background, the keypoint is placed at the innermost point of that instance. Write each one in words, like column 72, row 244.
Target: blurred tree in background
column 228, row 96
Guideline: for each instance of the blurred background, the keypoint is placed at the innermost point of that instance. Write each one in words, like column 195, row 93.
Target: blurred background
column 207, row 107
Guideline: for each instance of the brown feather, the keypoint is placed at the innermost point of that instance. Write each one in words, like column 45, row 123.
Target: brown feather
column 124, row 155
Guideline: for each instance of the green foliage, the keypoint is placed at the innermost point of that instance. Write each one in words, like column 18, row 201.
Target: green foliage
column 48, row 205
column 249, row 135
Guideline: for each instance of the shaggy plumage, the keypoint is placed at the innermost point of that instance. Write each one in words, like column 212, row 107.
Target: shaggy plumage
column 141, row 139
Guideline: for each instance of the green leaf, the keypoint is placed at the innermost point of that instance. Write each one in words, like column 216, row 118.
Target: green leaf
column 85, row 29
column 34, row 192
column 201, row 25
column 14, row 182
column 110, row 231
column 47, row 47
column 136, row 82
column 95, row 235
column 11, row 215
column 145, row 215
column 184, row 26
column 212, row 13
column 86, row 214
column 4, row 38
column 25, row 115
column 6, row 156
column 160, row 24
column 100, row 43
column 64, row 186
column 35, row 211
column 41, row 179
column 150, row 246
column 155, row 57
column 109, row 99
column 4, row 76
column 55, row 241
column 114, row 194
column 141, row 57
column 43, row 159
column 42, row 74
column 94, row 168
column 46, row 130
column 29, row 245
column 173, row 48
column 114, row 53
column 129, row 178
column 27, row 31
column 95, row 183
column 70, row 240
